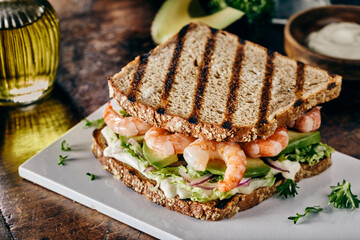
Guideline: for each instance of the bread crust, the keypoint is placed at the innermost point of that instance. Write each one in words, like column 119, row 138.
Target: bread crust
column 213, row 210
column 216, row 131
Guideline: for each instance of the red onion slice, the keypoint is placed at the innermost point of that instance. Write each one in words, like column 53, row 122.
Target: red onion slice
column 196, row 181
column 202, row 179
column 137, row 146
column 207, row 186
column 149, row 168
column 244, row 182
column 185, row 176
column 267, row 162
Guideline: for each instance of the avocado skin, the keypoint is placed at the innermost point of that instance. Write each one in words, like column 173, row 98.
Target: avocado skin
column 301, row 140
column 157, row 159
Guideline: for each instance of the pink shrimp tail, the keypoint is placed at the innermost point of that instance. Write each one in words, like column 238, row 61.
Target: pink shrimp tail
column 269, row 147
column 127, row 126
column 310, row 121
column 235, row 160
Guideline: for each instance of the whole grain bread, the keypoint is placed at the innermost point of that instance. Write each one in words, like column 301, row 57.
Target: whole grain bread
column 210, row 84
column 213, row 210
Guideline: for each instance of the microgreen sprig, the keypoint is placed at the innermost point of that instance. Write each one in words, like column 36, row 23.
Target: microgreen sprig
column 98, row 123
column 92, row 176
column 342, row 197
column 287, row 189
column 315, row 209
column 62, row 159
column 65, row 146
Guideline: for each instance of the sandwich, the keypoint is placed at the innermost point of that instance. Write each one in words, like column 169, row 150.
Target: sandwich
column 208, row 125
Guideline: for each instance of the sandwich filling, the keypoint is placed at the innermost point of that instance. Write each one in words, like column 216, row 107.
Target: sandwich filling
column 207, row 170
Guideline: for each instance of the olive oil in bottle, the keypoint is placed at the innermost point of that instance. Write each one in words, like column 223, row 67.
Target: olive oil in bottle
column 29, row 50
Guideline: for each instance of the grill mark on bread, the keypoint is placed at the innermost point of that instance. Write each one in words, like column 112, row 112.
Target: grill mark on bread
column 300, row 79
column 234, row 85
column 172, row 70
column 202, row 77
column 266, row 89
column 138, row 75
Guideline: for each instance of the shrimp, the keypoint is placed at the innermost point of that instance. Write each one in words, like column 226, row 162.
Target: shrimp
column 269, row 147
column 126, row 126
column 198, row 154
column 159, row 140
column 310, row 121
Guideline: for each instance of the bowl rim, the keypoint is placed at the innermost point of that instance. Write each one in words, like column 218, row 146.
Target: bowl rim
column 290, row 37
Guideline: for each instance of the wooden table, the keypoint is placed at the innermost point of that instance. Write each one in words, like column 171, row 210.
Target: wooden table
column 98, row 38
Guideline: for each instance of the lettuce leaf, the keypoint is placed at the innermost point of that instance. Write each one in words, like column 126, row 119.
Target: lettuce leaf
column 311, row 154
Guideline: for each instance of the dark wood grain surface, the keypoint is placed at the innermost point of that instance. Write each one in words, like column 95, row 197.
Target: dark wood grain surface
column 98, row 37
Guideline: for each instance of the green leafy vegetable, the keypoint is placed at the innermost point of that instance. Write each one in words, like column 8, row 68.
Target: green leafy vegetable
column 92, row 176
column 342, row 197
column 62, row 159
column 98, row 123
column 287, row 189
column 311, row 154
column 124, row 113
column 253, row 9
column 65, row 146
column 134, row 151
column 315, row 209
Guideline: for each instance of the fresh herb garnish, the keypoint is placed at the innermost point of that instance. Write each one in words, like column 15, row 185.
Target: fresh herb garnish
column 98, row 123
column 65, row 146
column 254, row 9
column 342, row 197
column 315, row 209
column 287, row 189
column 124, row 113
column 92, row 176
column 62, row 159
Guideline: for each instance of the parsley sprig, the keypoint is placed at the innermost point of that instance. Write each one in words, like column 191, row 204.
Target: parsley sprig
column 342, row 197
column 315, row 209
column 98, row 123
column 65, row 146
column 62, row 159
column 287, row 189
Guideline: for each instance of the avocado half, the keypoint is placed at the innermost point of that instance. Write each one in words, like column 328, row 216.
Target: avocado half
column 174, row 14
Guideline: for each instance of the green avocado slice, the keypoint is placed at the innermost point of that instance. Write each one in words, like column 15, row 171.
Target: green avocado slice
column 157, row 159
column 174, row 14
column 255, row 167
column 125, row 139
column 300, row 140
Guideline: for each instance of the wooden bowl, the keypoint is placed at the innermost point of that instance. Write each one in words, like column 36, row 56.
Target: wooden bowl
column 303, row 23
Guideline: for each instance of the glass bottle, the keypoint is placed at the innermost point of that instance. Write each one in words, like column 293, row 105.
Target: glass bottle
column 29, row 50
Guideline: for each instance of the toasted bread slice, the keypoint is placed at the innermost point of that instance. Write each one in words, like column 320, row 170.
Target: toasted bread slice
column 213, row 210
column 210, row 84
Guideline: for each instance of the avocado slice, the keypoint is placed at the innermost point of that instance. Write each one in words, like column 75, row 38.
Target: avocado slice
column 174, row 14
column 255, row 167
column 157, row 159
column 125, row 139
column 301, row 140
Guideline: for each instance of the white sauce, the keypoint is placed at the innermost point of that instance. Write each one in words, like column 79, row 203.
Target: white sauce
column 292, row 167
column 339, row 40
